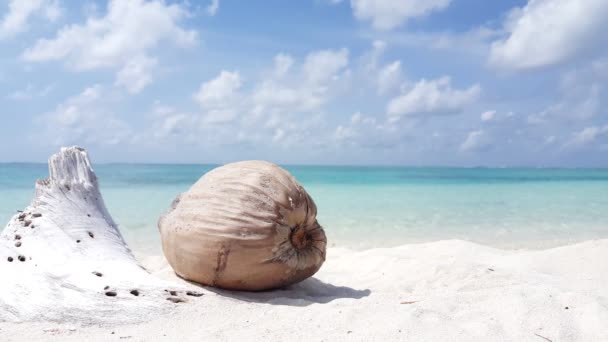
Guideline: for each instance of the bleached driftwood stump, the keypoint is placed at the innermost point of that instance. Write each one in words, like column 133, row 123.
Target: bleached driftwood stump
column 63, row 258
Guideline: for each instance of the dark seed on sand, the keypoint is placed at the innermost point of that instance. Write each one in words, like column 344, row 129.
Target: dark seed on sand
column 18, row 244
column 98, row 274
column 21, row 258
column 194, row 294
column 27, row 223
column 111, row 294
column 36, row 215
column 10, row 259
column 175, row 300
column 135, row 293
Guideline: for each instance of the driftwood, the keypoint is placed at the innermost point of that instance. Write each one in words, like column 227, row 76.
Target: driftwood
column 64, row 259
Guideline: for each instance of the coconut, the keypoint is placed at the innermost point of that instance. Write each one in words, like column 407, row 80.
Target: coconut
column 244, row 226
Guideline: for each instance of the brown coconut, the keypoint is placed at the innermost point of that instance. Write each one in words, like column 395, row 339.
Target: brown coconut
column 244, row 226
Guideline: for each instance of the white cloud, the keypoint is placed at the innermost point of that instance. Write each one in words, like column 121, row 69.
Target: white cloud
column 282, row 107
column 171, row 125
column 21, row 11
column 136, row 74
column 129, row 31
column 548, row 32
column 213, row 7
column 84, row 119
column 273, row 101
column 273, row 95
column 219, row 115
column 366, row 131
column 389, row 77
column 488, row 115
column 432, row 97
column 324, row 65
column 305, row 90
column 279, row 135
column 475, row 140
column 587, row 136
column 473, row 42
column 282, row 64
column 168, row 122
column 582, row 93
column 219, row 98
column 378, row 46
column 218, row 91
column 385, row 77
column 389, row 14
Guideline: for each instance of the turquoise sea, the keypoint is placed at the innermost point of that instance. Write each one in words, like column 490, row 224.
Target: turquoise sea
column 365, row 207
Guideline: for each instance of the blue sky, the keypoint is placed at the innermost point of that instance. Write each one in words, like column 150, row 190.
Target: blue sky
column 409, row 82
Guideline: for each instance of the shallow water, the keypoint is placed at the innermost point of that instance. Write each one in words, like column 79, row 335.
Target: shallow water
column 364, row 207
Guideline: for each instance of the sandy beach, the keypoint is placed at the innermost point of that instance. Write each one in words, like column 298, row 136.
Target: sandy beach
column 441, row 291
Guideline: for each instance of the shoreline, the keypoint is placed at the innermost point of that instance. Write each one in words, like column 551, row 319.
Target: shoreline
column 151, row 248
column 432, row 291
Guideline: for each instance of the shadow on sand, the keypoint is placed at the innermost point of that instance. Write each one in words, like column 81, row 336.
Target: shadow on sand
column 309, row 291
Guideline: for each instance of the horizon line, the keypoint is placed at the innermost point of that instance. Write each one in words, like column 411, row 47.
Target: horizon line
column 341, row 165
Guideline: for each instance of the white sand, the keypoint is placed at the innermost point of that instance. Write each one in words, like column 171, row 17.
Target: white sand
column 441, row 291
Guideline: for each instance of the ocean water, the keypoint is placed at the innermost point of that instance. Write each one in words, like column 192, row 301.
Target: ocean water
column 367, row 207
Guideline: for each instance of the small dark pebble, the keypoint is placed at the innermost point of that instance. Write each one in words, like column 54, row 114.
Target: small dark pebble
column 194, row 294
column 566, row 308
column 91, row 235
column 98, row 274
column 21, row 216
column 89, row 215
column 18, row 244
column 175, row 300
column 111, row 294
column 173, row 293
column 77, row 241
column 10, row 259
column 36, row 215
column 491, row 269
column 106, row 288
column 27, row 223
column 135, row 293
column 17, row 237
column 21, row 258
